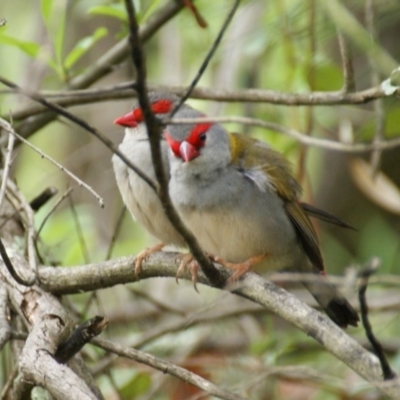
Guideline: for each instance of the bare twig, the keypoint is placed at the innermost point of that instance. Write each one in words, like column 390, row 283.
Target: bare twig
column 208, row 57
column 125, row 90
column 83, row 124
column 167, row 367
column 79, row 230
column 116, row 232
column 349, row 84
column 156, row 303
column 154, row 133
column 45, row 219
column 370, row 269
column 7, row 165
column 55, row 206
column 4, row 124
column 11, row 269
column 378, row 105
column 300, row 137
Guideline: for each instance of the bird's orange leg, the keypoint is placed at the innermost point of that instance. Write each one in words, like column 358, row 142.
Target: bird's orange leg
column 143, row 255
column 240, row 268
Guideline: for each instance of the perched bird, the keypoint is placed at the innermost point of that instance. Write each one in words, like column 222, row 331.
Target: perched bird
column 240, row 200
column 140, row 199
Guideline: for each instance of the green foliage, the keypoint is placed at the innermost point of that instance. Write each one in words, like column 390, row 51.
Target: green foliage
column 83, row 46
column 54, row 15
column 115, row 10
column 30, row 48
column 139, row 384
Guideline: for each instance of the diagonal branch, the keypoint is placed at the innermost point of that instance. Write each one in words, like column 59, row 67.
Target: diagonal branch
column 83, row 124
column 107, row 62
column 154, row 133
column 167, row 367
column 208, row 58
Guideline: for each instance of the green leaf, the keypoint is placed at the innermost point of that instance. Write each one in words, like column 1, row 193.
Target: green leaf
column 45, row 7
column 111, row 10
column 150, row 9
column 83, row 46
column 60, row 16
column 30, row 48
column 137, row 386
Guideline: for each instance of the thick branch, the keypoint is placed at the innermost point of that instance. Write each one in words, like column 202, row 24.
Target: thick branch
column 253, row 287
column 48, row 324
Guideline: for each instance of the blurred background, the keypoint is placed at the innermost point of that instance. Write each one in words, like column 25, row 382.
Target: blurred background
column 290, row 46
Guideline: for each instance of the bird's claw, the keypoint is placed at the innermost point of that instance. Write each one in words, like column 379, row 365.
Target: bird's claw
column 142, row 256
column 239, row 268
column 188, row 263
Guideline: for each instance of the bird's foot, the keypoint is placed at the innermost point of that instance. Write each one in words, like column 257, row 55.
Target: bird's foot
column 143, row 255
column 187, row 263
column 240, row 268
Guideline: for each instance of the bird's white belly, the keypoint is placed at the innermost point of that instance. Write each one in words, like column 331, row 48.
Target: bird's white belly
column 235, row 238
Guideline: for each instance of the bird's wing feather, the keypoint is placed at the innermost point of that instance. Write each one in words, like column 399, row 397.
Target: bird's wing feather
column 250, row 156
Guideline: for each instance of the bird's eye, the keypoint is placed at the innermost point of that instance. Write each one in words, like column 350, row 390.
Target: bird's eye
column 203, row 136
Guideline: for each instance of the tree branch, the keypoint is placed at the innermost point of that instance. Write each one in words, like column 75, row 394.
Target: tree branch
column 124, row 90
column 167, row 367
column 252, row 287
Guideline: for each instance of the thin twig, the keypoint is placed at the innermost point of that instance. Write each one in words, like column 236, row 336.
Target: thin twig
column 208, row 57
column 376, row 346
column 83, row 124
column 45, row 219
column 4, row 124
column 116, row 232
column 300, row 137
column 79, row 230
column 7, row 165
column 349, row 84
column 167, row 367
column 378, row 105
column 388, row 373
column 156, row 303
column 125, row 91
column 11, row 269
column 55, row 206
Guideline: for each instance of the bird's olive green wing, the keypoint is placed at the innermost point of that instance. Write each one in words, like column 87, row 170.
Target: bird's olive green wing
column 250, row 154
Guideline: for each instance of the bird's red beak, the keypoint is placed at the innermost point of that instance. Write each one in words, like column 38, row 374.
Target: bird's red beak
column 188, row 151
column 129, row 120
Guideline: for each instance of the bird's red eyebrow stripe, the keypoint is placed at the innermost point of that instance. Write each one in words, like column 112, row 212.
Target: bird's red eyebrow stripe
column 198, row 130
column 162, row 106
